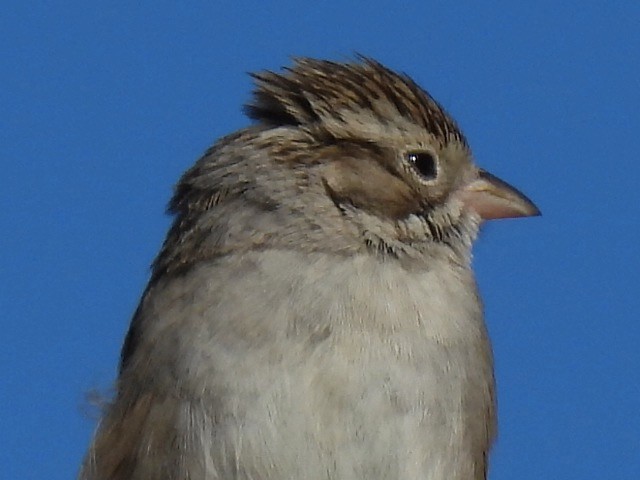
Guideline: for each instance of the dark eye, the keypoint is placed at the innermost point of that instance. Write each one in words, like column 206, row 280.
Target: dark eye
column 424, row 163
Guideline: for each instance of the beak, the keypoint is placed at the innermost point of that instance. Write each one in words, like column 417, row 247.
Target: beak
column 492, row 198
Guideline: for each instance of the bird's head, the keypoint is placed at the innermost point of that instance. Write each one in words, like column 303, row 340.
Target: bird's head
column 344, row 157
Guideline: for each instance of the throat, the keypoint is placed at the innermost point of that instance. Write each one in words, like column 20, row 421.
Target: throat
column 369, row 295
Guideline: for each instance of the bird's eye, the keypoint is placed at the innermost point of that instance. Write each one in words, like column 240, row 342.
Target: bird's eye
column 424, row 163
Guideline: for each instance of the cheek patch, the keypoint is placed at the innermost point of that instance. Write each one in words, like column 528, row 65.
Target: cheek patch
column 368, row 186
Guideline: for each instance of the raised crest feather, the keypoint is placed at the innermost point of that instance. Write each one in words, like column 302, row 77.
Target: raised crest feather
column 312, row 92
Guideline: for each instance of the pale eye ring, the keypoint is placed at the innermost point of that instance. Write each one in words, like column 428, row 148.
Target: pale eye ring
column 424, row 163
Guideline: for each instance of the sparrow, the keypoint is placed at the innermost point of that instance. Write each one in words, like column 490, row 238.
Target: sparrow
column 313, row 313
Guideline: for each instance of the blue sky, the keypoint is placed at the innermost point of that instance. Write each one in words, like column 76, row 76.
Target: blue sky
column 104, row 105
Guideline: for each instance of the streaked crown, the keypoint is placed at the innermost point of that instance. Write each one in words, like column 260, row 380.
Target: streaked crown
column 326, row 95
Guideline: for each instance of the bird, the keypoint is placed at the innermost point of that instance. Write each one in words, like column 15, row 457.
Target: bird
column 313, row 313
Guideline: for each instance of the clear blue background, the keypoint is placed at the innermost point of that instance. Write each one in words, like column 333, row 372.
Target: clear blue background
column 104, row 105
